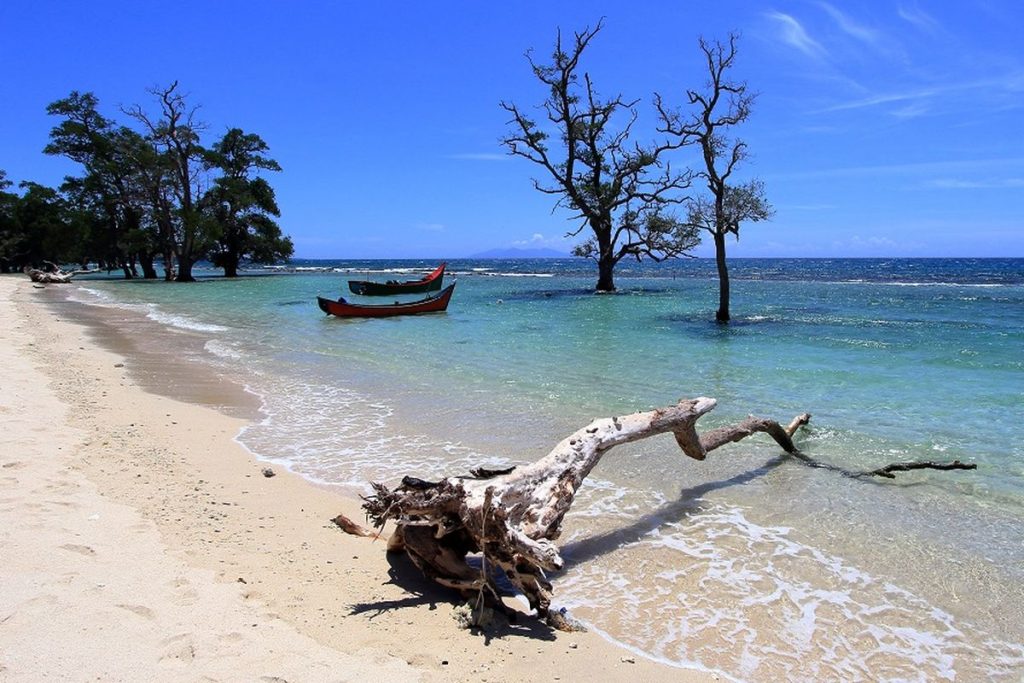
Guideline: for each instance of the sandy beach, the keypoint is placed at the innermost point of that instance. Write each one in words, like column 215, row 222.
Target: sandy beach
column 141, row 542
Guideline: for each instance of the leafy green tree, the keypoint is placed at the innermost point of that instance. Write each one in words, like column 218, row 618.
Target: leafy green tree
column 722, row 105
column 109, row 186
column 48, row 233
column 12, row 237
column 243, row 204
column 619, row 189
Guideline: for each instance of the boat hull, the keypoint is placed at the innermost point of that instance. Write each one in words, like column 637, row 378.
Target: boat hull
column 344, row 309
column 430, row 283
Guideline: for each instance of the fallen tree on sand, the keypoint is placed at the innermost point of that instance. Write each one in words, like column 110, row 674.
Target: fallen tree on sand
column 512, row 517
column 51, row 273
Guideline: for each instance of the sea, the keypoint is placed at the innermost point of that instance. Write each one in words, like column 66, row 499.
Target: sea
column 749, row 564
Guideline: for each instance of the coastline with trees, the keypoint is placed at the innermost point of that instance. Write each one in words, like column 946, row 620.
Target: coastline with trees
column 150, row 195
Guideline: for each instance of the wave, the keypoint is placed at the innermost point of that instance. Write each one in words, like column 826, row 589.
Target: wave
column 95, row 297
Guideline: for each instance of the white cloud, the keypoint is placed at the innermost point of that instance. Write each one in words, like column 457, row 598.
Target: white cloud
column 793, row 34
column 429, row 227
column 851, row 27
column 1008, row 83
column 806, row 207
column 919, row 18
column 539, row 241
column 990, row 184
column 920, row 168
column 479, row 156
column 912, row 111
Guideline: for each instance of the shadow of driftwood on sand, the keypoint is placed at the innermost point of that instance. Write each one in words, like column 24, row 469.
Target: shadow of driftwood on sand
column 688, row 503
column 422, row 591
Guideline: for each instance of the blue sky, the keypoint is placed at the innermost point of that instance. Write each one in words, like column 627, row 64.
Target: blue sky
column 884, row 128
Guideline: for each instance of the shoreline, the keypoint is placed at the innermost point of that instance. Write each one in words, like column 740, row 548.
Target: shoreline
column 187, row 502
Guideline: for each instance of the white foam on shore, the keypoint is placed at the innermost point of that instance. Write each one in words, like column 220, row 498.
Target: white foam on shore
column 95, row 297
column 223, row 349
column 721, row 591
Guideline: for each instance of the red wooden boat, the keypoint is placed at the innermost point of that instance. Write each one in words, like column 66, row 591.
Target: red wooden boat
column 345, row 309
column 430, row 283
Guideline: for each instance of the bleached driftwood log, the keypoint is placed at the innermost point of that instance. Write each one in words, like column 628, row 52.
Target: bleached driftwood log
column 512, row 517
column 48, row 277
column 51, row 273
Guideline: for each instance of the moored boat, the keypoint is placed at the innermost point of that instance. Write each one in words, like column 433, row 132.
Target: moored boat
column 430, row 283
column 346, row 309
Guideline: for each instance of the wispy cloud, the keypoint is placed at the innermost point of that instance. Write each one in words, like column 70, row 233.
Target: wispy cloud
column 538, row 240
column 806, row 207
column 912, row 111
column 480, row 156
column 851, row 28
column 988, row 184
column 920, row 168
column 919, row 18
column 1008, row 83
column 429, row 227
column 793, row 34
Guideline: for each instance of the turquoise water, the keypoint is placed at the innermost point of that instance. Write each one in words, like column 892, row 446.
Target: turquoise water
column 748, row 564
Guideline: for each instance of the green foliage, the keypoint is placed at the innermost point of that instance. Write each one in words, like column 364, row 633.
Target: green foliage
column 158, row 192
column 36, row 227
column 242, row 204
column 741, row 203
column 11, row 233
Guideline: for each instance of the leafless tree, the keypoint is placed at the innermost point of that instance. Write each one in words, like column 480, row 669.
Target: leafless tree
column 723, row 104
column 621, row 190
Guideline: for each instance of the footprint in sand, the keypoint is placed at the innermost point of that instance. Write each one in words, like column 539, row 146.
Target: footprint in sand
column 179, row 648
column 141, row 610
column 80, row 549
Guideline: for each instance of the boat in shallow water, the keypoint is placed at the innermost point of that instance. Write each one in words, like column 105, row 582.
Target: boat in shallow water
column 429, row 283
column 345, row 309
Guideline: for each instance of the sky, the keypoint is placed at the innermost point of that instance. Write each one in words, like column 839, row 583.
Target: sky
column 881, row 128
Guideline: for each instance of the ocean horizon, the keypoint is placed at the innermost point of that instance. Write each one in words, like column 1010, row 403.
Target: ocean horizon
column 749, row 564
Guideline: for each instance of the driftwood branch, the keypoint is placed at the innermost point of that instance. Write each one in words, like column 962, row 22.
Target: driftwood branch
column 51, row 273
column 512, row 517
column 888, row 470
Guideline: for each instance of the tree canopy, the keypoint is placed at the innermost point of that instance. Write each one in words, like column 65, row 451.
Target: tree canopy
column 147, row 194
column 243, row 203
column 622, row 190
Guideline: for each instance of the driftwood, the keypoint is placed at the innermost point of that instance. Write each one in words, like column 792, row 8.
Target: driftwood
column 512, row 517
column 51, row 273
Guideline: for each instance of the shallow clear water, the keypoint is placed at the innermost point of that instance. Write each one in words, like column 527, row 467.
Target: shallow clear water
column 748, row 563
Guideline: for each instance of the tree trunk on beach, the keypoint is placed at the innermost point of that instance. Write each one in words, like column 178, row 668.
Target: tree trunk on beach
column 513, row 516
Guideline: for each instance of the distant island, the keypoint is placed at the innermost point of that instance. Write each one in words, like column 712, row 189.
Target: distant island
column 513, row 253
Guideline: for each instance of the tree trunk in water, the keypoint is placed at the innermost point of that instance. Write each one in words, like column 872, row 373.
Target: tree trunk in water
column 230, row 267
column 722, row 315
column 169, row 265
column 184, row 270
column 148, row 270
column 605, row 281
